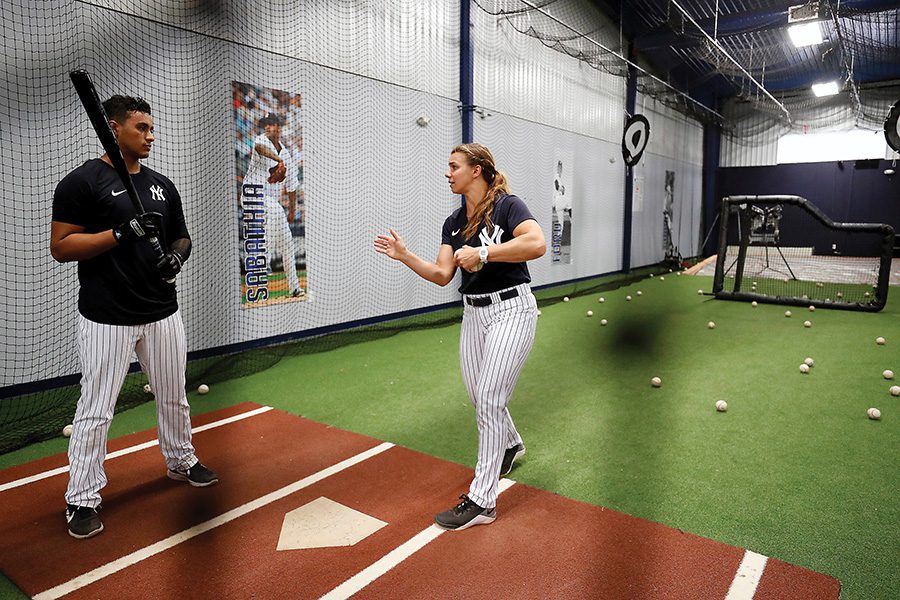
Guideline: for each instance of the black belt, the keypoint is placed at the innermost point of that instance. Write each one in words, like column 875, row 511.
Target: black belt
column 486, row 300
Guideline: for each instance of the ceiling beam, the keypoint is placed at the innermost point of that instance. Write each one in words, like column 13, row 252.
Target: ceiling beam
column 745, row 22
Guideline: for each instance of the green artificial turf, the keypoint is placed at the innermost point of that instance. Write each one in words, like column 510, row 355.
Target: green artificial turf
column 794, row 469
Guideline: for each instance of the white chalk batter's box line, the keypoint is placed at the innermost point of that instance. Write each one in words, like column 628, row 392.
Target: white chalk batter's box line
column 743, row 585
column 132, row 449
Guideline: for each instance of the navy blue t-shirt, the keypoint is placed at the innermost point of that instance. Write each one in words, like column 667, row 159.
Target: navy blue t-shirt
column 509, row 212
column 120, row 286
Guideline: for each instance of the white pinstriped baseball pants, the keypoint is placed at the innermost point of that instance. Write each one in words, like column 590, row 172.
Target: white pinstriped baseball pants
column 493, row 345
column 280, row 238
column 105, row 352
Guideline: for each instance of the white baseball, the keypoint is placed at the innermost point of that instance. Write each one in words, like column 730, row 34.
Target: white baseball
column 809, row 361
column 874, row 413
column 539, row 312
column 754, row 304
column 147, row 388
column 590, row 313
column 601, row 300
column 628, row 298
column 565, row 298
column 807, row 323
column 812, row 308
column 603, row 321
column 699, row 292
column 895, row 390
column 787, row 313
column 879, row 341
column 640, row 293
column 656, row 382
column 888, row 374
column 711, row 325
column 202, row 388
column 67, row 431
column 804, row 368
column 662, row 278
column 721, row 405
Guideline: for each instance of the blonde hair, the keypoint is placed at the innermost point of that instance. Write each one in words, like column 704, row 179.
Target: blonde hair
column 477, row 154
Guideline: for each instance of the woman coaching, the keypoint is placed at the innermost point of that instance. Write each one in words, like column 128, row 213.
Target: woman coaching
column 490, row 238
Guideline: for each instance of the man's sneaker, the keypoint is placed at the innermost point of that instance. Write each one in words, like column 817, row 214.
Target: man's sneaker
column 509, row 457
column 84, row 522
column 465, row 514
column 197, row 476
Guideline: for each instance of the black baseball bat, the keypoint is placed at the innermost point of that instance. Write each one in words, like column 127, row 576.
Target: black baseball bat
column 94, row 108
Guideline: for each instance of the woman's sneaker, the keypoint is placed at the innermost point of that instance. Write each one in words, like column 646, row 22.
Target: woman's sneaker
column 465, row 514
column 83, row 521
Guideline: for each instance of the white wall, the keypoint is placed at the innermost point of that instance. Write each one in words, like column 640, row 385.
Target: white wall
column 675, row 144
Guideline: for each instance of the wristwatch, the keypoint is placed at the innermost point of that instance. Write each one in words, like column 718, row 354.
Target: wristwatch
column 483, row 254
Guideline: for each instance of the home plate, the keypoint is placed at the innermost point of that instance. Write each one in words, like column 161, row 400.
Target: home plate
column 324, row 523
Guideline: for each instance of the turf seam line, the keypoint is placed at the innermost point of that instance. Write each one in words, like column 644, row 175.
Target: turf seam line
column 746, row 579
column 132, row 449
column 135, row 557
column 394, row 558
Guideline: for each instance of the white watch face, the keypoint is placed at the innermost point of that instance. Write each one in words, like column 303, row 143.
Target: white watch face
column 483, row 254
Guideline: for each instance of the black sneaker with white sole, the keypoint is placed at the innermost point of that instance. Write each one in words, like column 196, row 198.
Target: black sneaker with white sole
column 509, row 457
column 465, row 514
column 83, row 521
column 197, row 476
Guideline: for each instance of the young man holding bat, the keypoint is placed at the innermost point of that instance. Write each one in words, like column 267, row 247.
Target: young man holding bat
column 127, row 305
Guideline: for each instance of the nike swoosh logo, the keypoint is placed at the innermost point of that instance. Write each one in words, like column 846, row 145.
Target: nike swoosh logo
column 455, row 232
column 119, row 193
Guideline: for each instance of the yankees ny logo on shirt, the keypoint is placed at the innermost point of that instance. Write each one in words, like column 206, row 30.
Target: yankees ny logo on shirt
column 493, row 238
column 158, row 193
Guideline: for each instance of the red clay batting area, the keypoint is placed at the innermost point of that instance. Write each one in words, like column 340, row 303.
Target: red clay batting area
column 304, row 510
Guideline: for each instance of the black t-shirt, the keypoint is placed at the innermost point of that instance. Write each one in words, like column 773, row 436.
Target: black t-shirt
column 509, row 212
column 120, row 286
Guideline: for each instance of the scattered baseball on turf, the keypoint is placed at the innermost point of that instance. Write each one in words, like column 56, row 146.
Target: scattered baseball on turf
column 590, row 313
column 656, row 382
column 754, row 304
column 721, row 405
column 787, row 313
column 539, row 312
column 601, row 300
column 699, row 292
column 565, row 298
column 874, row 413
column 807, row 323
column 203, row 388
column 603, row 321
column 662, row 278
column 628, row 298
column 804, row 368
column 67, row 431
column 888, row 374
column 812, row 308
column 867, row 294
column 711, row 324
column 147, row 388
column 879, row 341
column 808, row 361
column 895, row 390
column 640, row 293
column 651, row 274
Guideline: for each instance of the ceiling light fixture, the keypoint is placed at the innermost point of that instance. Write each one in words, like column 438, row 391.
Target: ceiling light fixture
column 825, row 89
column 806, row 34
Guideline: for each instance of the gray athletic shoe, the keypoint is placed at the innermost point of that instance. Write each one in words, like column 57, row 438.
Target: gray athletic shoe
column 509, row 457
column 83, row 521
column 465, row 514
column 197, row 476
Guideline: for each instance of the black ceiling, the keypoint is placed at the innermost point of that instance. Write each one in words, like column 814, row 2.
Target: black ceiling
column 754, row 33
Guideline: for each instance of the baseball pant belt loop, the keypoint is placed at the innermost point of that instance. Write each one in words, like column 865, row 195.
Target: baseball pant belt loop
column 488, row 300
